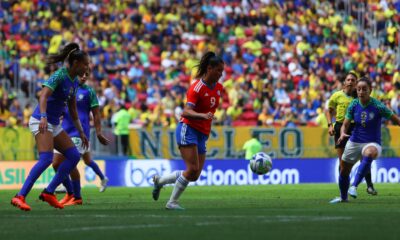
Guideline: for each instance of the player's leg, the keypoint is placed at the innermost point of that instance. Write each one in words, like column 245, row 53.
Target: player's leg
column 159, row 181
column 57, row 160
column 369, row 153
column 44, row 142
column 89, row 162
column 63, row 144
column 76, row 183
column 351, row 154
column 190, row 157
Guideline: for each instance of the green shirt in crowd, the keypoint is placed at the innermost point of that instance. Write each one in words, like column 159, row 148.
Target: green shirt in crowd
column 122, row 118
column 252, row 147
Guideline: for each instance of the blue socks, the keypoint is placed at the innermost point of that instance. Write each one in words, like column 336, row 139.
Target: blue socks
column 344, row 183
column 96, row 169
column 363, row 169
column 68, row 185
column 77, row 188
column 72, row 158
column 45, row 159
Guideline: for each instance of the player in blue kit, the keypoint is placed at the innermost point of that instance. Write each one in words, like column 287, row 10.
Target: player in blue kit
column 58, row 92
column 87, row 102
column 365, row 141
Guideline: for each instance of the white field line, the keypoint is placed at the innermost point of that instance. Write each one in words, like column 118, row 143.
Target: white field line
column 119, row 227
column 259, row 217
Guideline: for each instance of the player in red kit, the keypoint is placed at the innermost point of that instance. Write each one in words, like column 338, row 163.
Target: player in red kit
column 195, row 126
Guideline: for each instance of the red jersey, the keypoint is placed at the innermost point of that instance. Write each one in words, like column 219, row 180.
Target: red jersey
column 204, row 100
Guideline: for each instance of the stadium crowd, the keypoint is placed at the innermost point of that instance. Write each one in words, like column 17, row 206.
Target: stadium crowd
column 283, row 59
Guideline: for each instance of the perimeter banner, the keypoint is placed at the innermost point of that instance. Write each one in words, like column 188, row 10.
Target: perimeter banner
column 227, row 143
column 13, row 174
column 139, row 173
column 16, row 144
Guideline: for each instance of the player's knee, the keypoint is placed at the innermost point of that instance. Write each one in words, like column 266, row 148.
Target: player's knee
column 72, row 154
column 371, row 152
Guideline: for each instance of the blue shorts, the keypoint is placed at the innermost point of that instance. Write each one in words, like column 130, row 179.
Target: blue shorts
column 186, row 135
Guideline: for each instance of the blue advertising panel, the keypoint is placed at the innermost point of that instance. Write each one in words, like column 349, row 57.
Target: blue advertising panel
column 139, row 173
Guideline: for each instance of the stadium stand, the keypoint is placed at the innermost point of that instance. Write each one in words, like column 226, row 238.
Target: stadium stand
column 283, row 58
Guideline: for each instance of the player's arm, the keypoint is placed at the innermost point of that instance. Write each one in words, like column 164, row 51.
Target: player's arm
column 396, row 119
column 188, row 112
column 44, row 95
column 75, row 119
column 330, row 113
column 97, row 125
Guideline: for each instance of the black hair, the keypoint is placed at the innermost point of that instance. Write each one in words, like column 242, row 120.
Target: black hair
column 353, row 73
column 70, row 52
column 366, row 80
column 208, row 59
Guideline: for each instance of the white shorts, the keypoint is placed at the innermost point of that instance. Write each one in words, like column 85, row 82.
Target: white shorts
column 34, row 127
column 354, row 151
column 78, row 144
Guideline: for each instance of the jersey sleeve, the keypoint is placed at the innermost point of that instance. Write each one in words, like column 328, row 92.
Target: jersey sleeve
column 350, row 110
column 94, row 102
column 54, row 80
column 332, row 102
column 383, row 110
column 192, row 97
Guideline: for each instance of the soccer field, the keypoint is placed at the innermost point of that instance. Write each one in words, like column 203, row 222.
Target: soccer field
column 229, row 212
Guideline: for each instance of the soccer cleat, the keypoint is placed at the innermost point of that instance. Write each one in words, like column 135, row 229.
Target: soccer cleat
column 50, row 199
column 74, row 201
column 104, row 184
column 337, row 200
column 157, row 187
column 66, row 199
column 173, row 206
column 371, row 190
column 352, row 192
column 19, row 202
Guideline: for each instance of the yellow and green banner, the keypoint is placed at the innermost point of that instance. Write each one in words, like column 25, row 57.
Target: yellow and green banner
column 227, row 142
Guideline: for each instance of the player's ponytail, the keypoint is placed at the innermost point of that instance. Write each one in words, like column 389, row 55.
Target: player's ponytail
column 208, row 59
column 70, row 52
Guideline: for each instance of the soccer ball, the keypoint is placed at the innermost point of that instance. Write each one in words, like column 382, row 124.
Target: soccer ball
column 261, row 163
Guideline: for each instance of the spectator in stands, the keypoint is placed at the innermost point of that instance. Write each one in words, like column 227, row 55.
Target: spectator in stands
column 121, row 121
column 252, row 146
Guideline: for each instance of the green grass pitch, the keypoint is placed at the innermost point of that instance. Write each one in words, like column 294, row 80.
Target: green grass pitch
column 226, row 212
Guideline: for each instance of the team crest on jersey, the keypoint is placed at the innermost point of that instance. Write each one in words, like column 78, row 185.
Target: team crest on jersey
column 80, row 97
column 219, row 93
column 371, row 115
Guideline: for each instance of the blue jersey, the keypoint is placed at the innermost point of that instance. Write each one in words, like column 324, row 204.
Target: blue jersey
column 85, row 100
column 64, row 88
column 367, row 120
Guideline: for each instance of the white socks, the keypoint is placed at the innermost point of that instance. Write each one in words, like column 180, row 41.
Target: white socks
column 170, row 178
column 180, row 186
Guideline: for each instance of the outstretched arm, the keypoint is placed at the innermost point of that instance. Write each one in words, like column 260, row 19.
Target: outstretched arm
column 97, row 125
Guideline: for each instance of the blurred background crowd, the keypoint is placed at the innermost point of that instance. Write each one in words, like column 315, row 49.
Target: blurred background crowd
column 283, row 58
